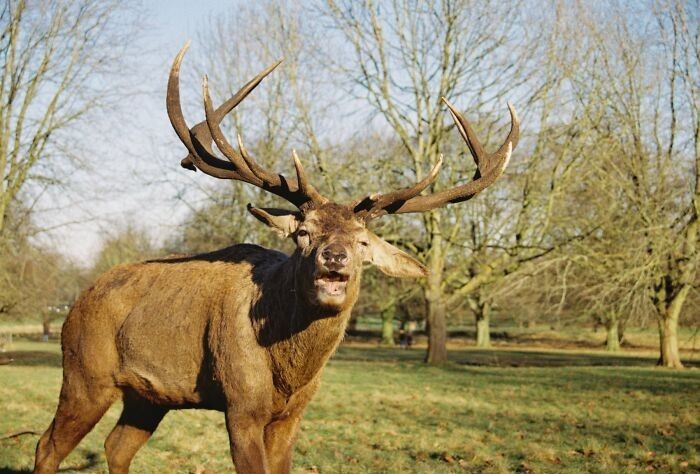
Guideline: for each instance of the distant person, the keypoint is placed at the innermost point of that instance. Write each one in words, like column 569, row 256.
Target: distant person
column 410, row 329
column 403, row 341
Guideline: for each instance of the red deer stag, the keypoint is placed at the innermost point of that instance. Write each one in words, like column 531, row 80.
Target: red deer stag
column 244, row 330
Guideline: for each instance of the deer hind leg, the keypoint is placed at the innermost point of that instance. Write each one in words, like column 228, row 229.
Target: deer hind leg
column 79, row 410
column 138, row 421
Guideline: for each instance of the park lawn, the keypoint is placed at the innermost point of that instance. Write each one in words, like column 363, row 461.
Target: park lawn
column 382, row 410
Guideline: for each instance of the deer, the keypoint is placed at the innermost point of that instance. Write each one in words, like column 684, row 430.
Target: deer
column 244, row 330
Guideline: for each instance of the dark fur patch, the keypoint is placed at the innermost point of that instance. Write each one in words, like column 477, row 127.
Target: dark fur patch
column 333, row 218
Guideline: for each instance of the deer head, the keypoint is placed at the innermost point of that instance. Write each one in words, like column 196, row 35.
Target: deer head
column 332, row 239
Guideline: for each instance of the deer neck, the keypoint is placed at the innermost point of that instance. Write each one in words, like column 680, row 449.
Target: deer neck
column 299, row 337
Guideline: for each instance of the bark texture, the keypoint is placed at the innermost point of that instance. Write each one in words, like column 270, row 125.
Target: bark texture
column 388, row 316
column 483, row 325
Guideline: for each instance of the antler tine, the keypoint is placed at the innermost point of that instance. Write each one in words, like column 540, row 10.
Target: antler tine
column 240, row 166
column 252, row 164
column 217, row 115
column 262, row 174
column 483, row 160
column 201, row 130
column 200, row 152
column 377, row 204
column 243, row 92
column 172, row 99
column 241, row 160
column 465, row 129
column 489, row 168
column 215, row 131
column 514, row 133
column 304, row 186
column 298, row 193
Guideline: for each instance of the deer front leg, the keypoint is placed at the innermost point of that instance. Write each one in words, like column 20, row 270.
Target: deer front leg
column 245, row 434
column 281, row 433
column 279, row 442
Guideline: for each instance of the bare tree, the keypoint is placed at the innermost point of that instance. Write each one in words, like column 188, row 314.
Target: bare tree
column 679, row 24
column 34, row 281
column 618, row 140
column 53, row 56
column 402, row 57
column 125, row 245
column 638, row 83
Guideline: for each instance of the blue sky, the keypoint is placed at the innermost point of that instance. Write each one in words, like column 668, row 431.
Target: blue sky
column 136, row 171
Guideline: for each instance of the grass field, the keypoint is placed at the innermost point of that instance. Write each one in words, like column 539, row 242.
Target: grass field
column 382, row 410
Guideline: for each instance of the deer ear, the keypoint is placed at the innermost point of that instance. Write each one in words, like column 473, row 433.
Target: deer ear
column 391, row 260
column 284, row 222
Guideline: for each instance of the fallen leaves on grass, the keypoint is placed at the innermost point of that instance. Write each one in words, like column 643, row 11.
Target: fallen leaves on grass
column 585, row 452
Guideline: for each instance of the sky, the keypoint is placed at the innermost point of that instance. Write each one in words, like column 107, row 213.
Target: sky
column 135, row 174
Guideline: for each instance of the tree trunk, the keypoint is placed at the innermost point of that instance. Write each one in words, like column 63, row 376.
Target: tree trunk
column 669, row 307
column 352, row 324
column 668, row 311
column 668, row 339
column 436, row 307
column 612, row 325
column 621, row 331
column 483, row 330
column 388, row 316
column 437, row 333
column 46, row 326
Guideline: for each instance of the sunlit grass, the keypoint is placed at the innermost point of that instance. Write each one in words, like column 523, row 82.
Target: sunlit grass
column 384, row 411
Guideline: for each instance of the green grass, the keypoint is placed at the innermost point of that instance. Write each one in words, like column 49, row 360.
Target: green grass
column 381, row 410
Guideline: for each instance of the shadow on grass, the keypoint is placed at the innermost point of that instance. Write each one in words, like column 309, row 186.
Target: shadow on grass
column 92, row 459
column 31, row 359
column 580, row 372
column 502, row 358
column 511, row 337
column 466, row 357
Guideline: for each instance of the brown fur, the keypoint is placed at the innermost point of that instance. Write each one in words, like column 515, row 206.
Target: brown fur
column 241, row 330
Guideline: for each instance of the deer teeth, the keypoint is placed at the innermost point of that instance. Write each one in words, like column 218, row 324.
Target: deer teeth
column 333, row 276
column 332, row 283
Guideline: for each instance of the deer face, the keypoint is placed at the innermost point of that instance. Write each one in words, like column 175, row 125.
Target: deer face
column 332, row 245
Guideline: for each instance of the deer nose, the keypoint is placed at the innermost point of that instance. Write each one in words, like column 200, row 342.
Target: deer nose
column 334, row 254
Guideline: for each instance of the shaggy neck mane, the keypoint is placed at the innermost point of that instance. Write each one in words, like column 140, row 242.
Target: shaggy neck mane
column 300, row 338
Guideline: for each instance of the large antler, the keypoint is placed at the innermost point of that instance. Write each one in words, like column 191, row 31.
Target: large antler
column 490, row 167
column 241, row 166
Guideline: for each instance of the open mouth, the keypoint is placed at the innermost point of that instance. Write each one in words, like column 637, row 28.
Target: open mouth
column 331, row 283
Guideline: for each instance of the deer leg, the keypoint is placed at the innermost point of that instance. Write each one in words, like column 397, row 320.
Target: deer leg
column 247, row 446
column 279, row 442
column 78, row 412
column 138, row 421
